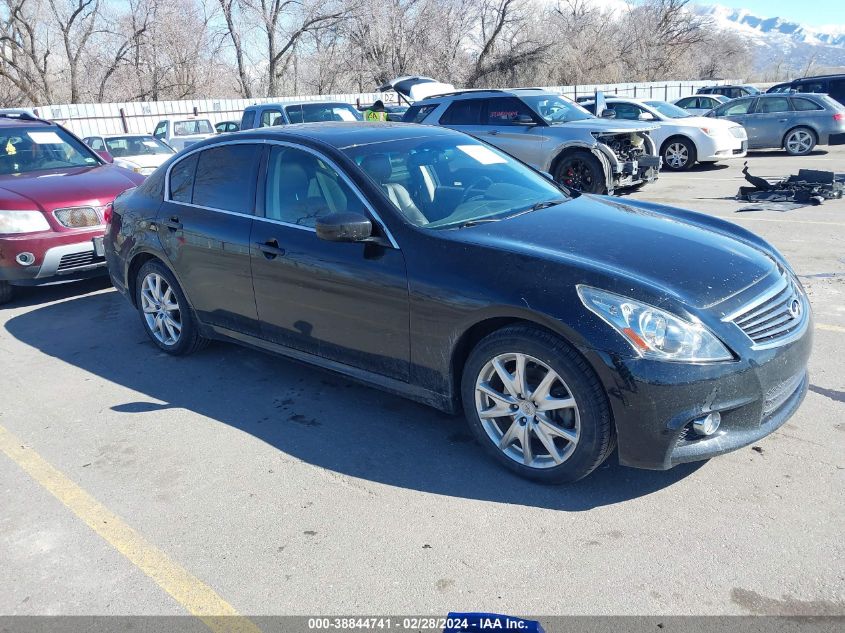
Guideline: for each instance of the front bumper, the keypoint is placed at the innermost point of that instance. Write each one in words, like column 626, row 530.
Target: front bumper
column 634, row 172
column 655, row 402
column 58, row 257
column 722, row 147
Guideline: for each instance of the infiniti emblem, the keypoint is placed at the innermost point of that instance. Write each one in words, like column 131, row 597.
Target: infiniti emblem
column 795, row 308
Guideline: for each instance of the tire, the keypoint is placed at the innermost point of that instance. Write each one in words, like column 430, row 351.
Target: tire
column 581, row 171
column 581, row 435
column 678, row 154
column 6, row 292
column 799, row 141
column 173, row 329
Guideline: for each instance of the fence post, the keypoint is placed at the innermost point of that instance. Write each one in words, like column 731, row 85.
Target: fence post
column 635, row 91
column 123, row 121
column 195, row 111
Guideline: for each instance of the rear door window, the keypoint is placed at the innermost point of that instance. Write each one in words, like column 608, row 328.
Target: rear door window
column 812, row 86
column 463, row 112
column 506, row 111
column 775, row 104
column 225, row 177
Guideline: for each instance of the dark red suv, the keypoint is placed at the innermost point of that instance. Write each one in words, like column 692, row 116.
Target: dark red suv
column 55, row 194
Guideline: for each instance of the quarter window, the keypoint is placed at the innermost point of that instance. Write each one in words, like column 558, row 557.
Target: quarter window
column 97, row 144
column 225, row 177
column 803, row 105
column 182, row 179
column 302, row 188
column 161, row 130
column 463, row 112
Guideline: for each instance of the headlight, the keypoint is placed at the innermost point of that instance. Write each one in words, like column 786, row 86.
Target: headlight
column 23, row 222
column 652, row 332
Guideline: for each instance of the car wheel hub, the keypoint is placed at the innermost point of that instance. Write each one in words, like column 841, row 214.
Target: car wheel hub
column 677, row 155
column 799, row 142
column 160, row 307
column 527, row 410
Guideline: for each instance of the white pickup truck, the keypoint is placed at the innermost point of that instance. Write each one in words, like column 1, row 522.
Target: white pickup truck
column 180, row 133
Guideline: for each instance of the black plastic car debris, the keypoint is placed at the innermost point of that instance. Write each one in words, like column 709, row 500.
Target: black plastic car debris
column 808, row 187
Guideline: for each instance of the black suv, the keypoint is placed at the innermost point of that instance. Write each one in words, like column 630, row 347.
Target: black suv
column 831, row 85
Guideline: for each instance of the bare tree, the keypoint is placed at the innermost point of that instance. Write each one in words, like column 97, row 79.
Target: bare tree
column 25, row 50
column 75, row 21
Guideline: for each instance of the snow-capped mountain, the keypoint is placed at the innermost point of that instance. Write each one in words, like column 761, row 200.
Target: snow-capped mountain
column 781, row 42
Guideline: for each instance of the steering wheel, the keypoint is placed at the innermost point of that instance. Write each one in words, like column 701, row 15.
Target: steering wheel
column 479, row 186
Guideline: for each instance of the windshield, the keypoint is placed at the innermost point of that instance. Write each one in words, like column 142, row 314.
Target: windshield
column 25, row 149
column 120, row 146
column 193, row 126
column 668, row 109
column 316, row 112
column 451, row 182
column 556, row 109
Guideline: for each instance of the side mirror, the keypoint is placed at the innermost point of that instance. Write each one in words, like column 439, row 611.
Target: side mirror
column 646, row 116
column 524, row 119
column 105, row 155
column 608, row 114
column 344, row 227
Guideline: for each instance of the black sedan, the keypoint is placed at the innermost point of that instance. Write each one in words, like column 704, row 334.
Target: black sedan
column 432, row 265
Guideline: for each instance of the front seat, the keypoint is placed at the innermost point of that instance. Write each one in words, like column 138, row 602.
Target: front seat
column 378, row 167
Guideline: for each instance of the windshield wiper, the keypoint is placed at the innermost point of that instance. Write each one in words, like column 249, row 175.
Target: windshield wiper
column 535, row 207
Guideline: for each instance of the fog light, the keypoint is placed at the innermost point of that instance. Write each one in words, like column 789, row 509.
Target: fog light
column 707, row 425
column 25, row 259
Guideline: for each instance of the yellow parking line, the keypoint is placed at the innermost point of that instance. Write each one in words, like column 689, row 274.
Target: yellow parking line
column 195, row 596
column 830, row 328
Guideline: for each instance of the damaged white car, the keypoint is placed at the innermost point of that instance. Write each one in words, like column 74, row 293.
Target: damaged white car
column 545, row 130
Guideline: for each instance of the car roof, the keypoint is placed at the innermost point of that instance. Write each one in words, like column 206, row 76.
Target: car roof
column 284, row 104
column 22, row 119
column 829, row 76
column 339, row 134
column 492, row 92
column 125, row 135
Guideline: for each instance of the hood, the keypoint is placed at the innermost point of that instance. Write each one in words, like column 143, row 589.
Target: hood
column 697, row 265
column 607, row 126
column 145, row 160
column 416, row 87
column 56, row 188
column 700, row 121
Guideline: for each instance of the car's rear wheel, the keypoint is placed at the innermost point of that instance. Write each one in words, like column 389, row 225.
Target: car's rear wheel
column 6, row 292
column 799, row 142
column 581, row 171
column 167, row 318
column 536, row 406
column 678, row 154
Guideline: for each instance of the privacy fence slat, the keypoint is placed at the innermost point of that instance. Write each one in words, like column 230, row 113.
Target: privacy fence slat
column 141, row 117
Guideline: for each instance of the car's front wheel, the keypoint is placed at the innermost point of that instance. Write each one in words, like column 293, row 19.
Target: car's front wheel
column 536, row 405
column 167, row 318
column 799, row 142
column 581, row 171
column 678, row 154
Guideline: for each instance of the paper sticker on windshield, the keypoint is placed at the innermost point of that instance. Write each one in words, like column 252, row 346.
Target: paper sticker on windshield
column 482, row 154
column 45, row 138
column 152, row 144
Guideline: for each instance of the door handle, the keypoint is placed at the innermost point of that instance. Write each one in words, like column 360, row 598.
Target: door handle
column 782, row 120
column 173, row 224
column 493, row 132
column 270, row 248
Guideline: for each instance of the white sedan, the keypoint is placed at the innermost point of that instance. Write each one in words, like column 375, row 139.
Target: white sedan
column 683, row 139
column 701, row 104
column 141, row 153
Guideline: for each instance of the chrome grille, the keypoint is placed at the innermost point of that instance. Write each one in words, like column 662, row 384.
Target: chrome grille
column 774, row 315
column 78, row 260
column 78, row 217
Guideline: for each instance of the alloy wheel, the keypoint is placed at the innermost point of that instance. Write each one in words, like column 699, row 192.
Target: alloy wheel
column 677, row 155
column 578, row 175
column 160, row 306
column 527, row 410
column 799, row 142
